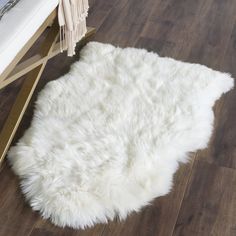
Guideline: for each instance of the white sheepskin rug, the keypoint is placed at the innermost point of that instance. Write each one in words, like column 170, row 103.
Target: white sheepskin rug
column 107, row 137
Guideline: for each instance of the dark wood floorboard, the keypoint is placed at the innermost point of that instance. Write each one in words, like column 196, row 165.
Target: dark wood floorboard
column 222, row 148
column 203, row 200
column 209, row 204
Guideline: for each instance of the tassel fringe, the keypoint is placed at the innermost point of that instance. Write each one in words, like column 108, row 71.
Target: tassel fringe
column 72, row 21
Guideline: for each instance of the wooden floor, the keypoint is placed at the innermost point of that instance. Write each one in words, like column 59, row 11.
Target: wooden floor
column 203, row 200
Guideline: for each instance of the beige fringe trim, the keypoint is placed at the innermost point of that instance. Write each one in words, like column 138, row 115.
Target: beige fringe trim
column 72, row 21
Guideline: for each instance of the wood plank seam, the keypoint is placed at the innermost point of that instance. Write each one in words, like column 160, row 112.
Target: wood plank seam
column 185, row 189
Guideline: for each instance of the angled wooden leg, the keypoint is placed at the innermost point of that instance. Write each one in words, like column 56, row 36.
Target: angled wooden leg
column 25, row 94
column 36, row 60
column 18, row 110
column 32, row 68
column 26, row 47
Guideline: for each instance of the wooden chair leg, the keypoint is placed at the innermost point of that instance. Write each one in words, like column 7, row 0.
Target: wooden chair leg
column 49, row 49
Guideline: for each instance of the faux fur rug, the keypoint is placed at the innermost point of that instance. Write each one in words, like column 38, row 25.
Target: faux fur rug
column 107, row 137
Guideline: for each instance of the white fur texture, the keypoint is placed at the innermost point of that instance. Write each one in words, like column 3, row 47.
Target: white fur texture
column 107, row 137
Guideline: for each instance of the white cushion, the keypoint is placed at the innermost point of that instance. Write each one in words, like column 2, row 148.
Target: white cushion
column 19, row 24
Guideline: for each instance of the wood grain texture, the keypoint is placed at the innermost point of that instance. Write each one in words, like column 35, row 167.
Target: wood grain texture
column 210, row 201
column 203, row 198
